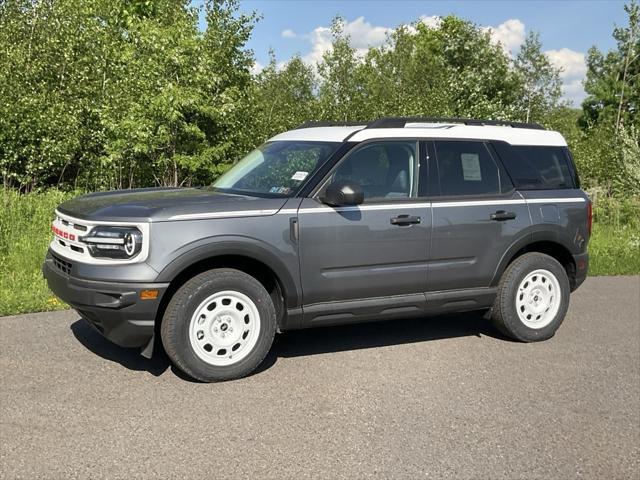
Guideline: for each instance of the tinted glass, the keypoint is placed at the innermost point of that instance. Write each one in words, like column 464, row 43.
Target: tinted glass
column 466, row 168
column 276, row 168
column 383, row 170
column 534, row 167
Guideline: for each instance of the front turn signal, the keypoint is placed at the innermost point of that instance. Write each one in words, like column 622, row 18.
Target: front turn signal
column 149, row 294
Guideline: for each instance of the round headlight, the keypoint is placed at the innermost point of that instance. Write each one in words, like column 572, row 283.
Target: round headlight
column 114, row 242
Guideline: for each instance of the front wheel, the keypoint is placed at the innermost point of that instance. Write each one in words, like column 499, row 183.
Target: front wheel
column 532, row 299
column 219, row 325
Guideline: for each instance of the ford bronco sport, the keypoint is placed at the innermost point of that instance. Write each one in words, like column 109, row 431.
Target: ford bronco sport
column 329, row 224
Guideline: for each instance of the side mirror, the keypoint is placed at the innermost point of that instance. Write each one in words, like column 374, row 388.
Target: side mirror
column 343, row 193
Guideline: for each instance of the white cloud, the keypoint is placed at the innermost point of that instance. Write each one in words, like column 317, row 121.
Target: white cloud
column 320, row 39
column 573, row 70
column 256, row 68
column 363, row 36
column 288, row 33
column 432, row 21
column 571, row 62
column 509, row 34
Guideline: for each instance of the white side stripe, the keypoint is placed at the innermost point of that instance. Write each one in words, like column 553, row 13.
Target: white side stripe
column 366, row 208
column 238, row 213
column 477, row 203
column 556, row 200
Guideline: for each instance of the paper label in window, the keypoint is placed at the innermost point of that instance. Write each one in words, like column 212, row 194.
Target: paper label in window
column 299, row 176
column 471, row 167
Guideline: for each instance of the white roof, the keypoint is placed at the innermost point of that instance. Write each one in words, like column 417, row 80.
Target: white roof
column 512, row 135
column 323, row 134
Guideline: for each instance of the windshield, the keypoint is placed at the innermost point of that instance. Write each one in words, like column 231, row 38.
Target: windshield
column 276, row 168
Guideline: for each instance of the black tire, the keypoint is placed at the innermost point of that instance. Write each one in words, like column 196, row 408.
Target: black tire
column 174, row 330
column 505, row 315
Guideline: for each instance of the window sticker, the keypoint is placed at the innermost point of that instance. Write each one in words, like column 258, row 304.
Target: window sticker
column 471, row 167
column 299, row 176
column 280, row 190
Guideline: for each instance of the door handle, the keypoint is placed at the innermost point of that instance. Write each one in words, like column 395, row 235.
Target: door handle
column 501, row 215
column 404, row 220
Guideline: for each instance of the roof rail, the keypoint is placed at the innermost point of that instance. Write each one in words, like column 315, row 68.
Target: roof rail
column 400, row 122
column 331, row 124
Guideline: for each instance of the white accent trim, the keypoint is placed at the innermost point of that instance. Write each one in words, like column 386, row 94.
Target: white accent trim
column 513, row 136
column 319, row 134
column 364, row 208
column 556, row 200
column 85, row 257
column 235, row 213
column 473, row 203
column 477, row 203
column 288, row 211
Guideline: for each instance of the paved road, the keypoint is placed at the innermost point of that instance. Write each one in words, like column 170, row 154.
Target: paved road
column 444, row 397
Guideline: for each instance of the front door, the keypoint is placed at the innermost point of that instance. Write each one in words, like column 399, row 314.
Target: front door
column 372, row 251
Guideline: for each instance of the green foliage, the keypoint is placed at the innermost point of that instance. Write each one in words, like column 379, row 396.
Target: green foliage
column 104, row 94
column 613, row 79
column 282, row 98
column 541, row 81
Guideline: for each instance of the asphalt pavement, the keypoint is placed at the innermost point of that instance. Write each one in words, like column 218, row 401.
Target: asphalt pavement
column 442, row 397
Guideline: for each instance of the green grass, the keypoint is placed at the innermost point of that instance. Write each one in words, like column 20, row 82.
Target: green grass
column 614, row 250
column 25, row 222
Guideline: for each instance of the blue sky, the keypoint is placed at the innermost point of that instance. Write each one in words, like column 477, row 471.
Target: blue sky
column 567, row 28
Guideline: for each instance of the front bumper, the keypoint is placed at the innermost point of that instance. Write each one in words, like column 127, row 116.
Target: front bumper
column 114, row 309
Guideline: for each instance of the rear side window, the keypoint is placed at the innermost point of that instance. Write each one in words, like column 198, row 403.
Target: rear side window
column 466, row 168
column 536, row 167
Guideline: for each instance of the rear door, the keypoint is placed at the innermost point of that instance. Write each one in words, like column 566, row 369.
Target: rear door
column 477, row 214
column 375, row 250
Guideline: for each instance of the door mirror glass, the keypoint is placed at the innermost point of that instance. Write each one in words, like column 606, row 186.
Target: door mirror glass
column 343, row 193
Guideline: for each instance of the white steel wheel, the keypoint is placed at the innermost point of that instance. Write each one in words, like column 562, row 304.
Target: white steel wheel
column 224, row 328
column 538, row 299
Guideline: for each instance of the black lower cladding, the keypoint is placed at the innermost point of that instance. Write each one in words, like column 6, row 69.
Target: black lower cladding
column 114, row 309
column 582, row 269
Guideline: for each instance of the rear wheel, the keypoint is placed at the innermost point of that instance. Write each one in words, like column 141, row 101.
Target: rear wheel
column 219, row 325
column 532, row 299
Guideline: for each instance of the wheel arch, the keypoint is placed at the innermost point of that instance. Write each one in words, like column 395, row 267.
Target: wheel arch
column 249, row 258
column 549, row 246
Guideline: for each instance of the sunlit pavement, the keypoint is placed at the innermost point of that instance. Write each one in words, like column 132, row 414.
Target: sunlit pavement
column 444, row 397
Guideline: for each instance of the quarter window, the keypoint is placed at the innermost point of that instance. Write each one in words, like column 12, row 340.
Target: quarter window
column 537, row 167
column 466, row 168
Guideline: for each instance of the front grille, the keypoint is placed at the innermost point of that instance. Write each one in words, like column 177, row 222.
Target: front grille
column 70, row 245
column 77, row 226
column 62, row 265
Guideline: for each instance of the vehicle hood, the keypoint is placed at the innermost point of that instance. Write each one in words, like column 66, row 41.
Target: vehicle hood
column 166, row 204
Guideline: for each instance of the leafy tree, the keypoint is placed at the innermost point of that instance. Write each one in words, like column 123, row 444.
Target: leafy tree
column 283, row 97
column 541, row 81
column 613, row 79
column 340, row 91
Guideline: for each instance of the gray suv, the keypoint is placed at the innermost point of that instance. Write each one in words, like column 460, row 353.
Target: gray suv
column 329, row 224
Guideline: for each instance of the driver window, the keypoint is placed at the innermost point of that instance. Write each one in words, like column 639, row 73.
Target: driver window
column 383, row 170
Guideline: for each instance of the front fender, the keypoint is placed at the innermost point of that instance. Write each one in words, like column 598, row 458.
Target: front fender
column 221, row 245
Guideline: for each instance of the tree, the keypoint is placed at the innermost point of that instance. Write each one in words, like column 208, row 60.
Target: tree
column 613, row 79
column 283, row 97
column 340, row 92
column 541, row 81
